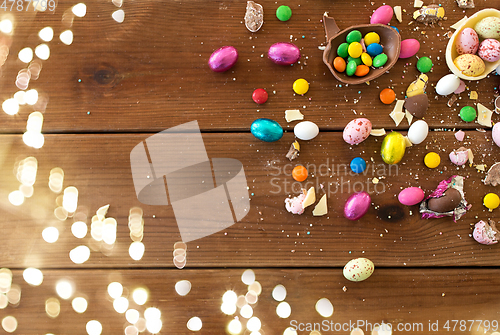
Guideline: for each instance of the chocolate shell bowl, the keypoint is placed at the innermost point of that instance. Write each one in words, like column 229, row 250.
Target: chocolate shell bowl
column 389, row 39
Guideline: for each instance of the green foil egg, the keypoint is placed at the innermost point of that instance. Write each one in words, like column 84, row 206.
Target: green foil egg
column 393, row 148
column 266, row 130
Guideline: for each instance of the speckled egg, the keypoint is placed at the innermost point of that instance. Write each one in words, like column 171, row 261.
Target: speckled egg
column 470, row 65
column 411, row 196
column 495, row 133
column 467, row 42
column 357, row 131
column 358, row 269
column 266, row 130
column 489, row 50
column 489, row 27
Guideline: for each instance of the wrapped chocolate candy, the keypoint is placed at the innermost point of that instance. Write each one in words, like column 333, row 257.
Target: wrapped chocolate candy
column 447, row 200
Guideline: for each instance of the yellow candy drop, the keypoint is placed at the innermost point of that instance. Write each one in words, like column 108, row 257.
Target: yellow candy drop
column 371, row 38
column 301, row 86
column 491, row 201
column 366, row 59
column 355, row 49
column 432, row 160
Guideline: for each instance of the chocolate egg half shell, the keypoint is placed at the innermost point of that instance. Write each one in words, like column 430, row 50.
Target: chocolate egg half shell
column 357, row 205
column 283, row 53
column 223, row 59
column 417, row 105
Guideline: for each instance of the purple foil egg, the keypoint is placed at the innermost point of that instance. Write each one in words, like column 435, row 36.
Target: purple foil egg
column 357, row 205
column 223, row 59
column 284, row 53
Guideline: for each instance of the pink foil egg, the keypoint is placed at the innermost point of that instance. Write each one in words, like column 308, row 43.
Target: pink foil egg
column 223, row 59
column 411, row 196
column 357, row 205
column 283, row 53
column 489, row 50
column 382, row 15
column 409, row 48
column 357, row 131
column 467, row 42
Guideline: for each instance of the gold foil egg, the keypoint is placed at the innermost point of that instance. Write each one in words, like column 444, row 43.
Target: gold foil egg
column 393, row 148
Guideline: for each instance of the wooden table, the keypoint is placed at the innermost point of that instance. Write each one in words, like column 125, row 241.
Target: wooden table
column 119, row 83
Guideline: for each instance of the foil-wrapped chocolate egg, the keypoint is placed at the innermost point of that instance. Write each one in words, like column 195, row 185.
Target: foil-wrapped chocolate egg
column 357, row 205
column 284, row 53
column 393, row 148
column 266, row 130
column 223, row 59
column 447, row 202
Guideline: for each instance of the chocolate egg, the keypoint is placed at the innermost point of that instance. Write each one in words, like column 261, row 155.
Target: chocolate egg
column 447, row 84
column 489, row 27
column 467, row 42
column 382, row 15
column 489, row 50
column 411, row 196
column 418, row 132
column 409, row 48
column 223, row 59
column 446, row 203
column 357, row 130
column 357, row 205
column 470, row 65
column 266, row 130
column 283, row 53
column 358, row 269
column 417, row 105
column 393, row 148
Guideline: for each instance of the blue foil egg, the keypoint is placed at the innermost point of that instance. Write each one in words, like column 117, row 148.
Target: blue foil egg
column 374, row 49
column 266, row 130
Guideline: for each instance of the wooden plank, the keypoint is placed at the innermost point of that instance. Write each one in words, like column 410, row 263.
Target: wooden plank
column 150, row 72
column 390, row 234
column 412, row 298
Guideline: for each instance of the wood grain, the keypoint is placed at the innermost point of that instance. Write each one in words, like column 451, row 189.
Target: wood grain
column 417, row 297
column 390, row 234
column 150, row 72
